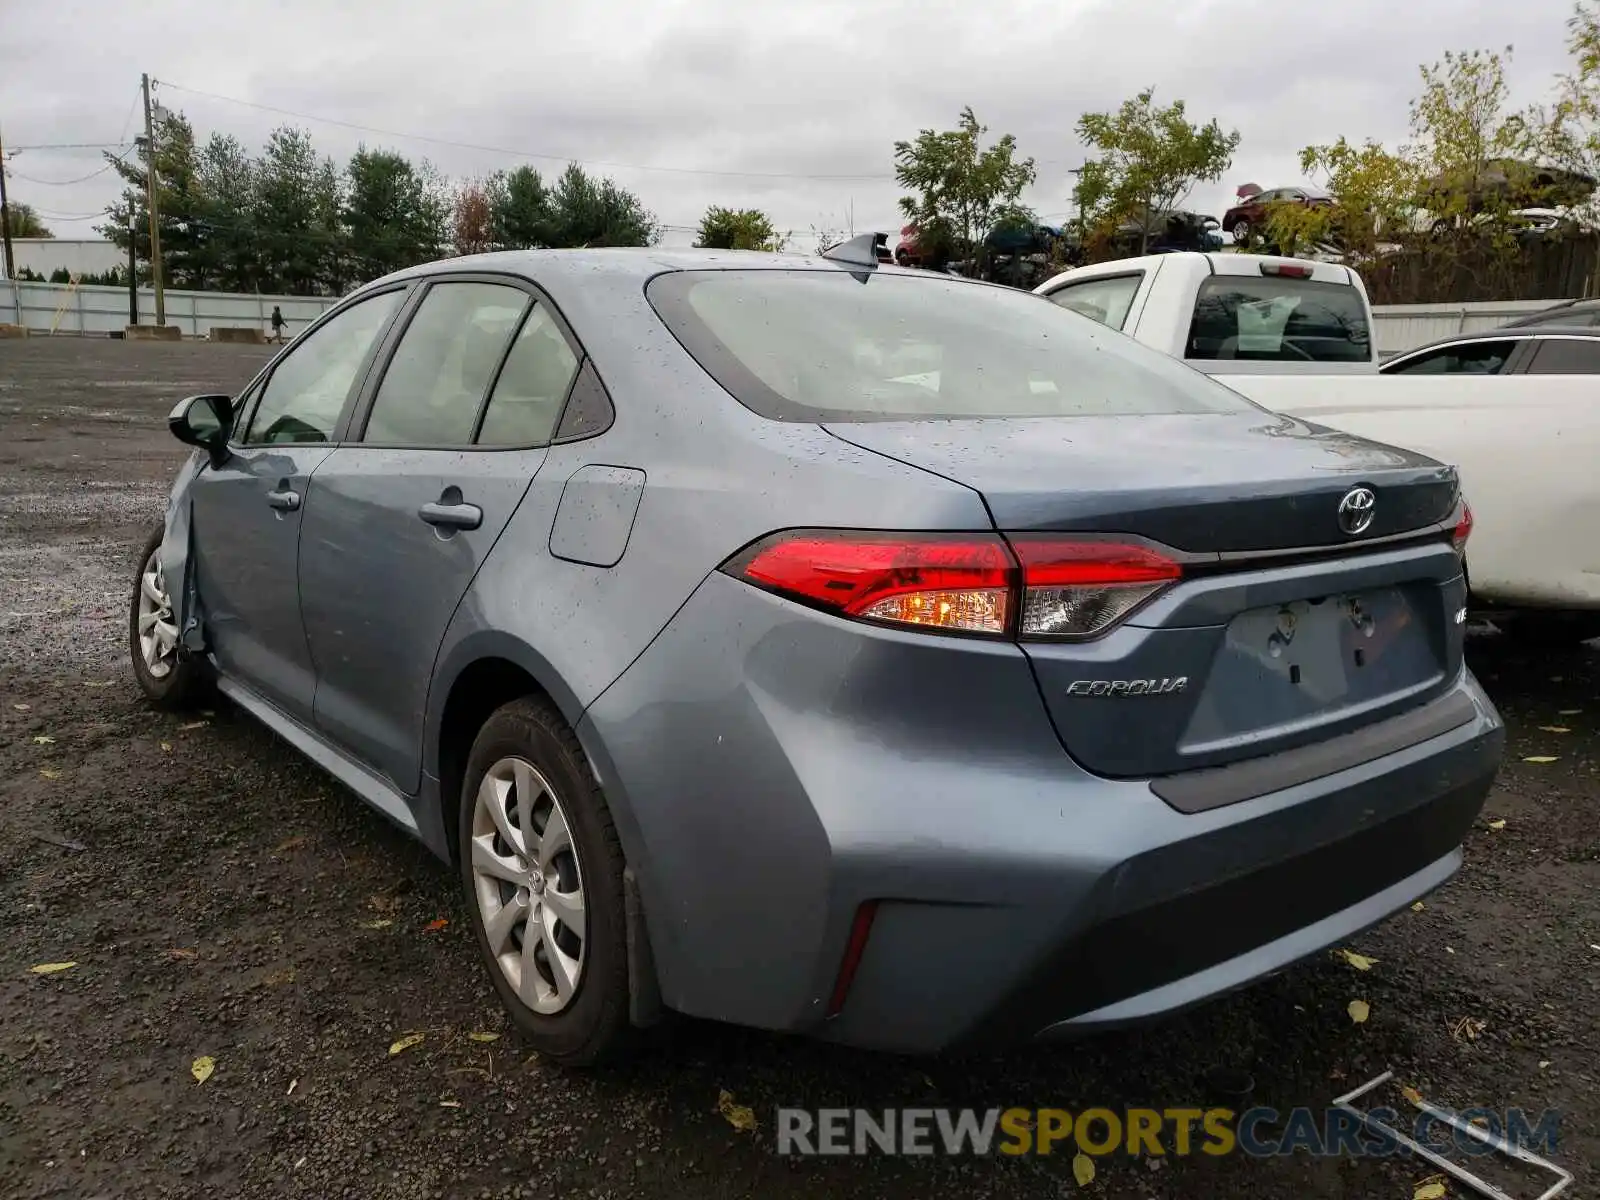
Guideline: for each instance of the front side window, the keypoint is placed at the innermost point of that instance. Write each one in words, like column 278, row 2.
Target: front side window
column 1105, row 300
column 532, row 386
column 441, row 370
column 1467, row 358
column 308, row 388
column 829, row 345
column 1278, row 319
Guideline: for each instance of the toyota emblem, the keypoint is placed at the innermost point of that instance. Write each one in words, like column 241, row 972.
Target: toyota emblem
column 1357, row 509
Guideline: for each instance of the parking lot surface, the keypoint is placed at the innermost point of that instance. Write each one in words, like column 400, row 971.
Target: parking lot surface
column 220, row 897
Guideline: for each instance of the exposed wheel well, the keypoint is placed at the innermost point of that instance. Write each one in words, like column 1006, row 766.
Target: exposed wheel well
column 480, row 689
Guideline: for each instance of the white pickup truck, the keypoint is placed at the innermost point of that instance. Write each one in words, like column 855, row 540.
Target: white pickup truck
column 1296, row 337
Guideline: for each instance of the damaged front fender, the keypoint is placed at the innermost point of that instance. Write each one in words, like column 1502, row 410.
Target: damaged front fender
column 176, row 560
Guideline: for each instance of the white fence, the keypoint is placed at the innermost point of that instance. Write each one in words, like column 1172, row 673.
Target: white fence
column 98, row 310
column 46, row 306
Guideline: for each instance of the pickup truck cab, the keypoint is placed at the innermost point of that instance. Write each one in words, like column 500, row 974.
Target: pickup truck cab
column 1230, row 314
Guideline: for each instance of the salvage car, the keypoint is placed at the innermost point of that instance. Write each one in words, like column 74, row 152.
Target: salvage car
column 752, row 632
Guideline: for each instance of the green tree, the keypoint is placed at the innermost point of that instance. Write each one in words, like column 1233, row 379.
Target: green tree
column 397, row 215
column 585, row 211
column 1375, row 193
column 25, row 223
column 1147, row 159
column 296, row 218
column 519, row 204
column 738, row 229
column 182, row 234
column 962, row 188
column 225, row 177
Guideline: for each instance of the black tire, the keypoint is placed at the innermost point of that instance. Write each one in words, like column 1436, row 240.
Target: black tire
column 186, row 679
column 1553, row 630
column 594, row 1024
column 1241, row 233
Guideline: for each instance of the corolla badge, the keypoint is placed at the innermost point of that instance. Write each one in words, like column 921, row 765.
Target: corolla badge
column 1165, row 686
column 1357, row 509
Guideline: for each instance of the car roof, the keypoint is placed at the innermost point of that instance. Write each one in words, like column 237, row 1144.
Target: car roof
column 1503, row 333
column 1552, row 315
column 629, row 264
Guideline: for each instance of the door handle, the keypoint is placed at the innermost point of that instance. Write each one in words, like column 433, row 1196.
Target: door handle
column 451, row 516
column 284, row 500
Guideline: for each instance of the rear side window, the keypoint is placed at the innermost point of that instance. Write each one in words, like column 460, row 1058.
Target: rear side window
column 437, row 378
column 1278, row 319
column 532, row 386
column 1566, row 356
column 829, row 345
column 1467, row 358
column 1105, row 300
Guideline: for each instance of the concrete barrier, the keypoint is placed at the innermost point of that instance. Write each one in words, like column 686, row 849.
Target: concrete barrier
column 153, row 333
column 237, row 333
column 13, row 331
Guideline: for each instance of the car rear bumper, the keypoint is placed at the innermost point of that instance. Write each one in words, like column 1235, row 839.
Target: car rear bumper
column 769, row 790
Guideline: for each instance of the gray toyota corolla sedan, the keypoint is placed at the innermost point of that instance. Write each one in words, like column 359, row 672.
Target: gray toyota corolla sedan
column 829, row 647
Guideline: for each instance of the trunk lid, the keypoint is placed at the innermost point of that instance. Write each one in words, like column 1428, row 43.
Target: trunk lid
column 1203, row 483
column 1285, row 628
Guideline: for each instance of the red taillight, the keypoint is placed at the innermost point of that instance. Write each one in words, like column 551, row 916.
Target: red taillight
column 1082, row 588
column 1046, row 586
column 1463, row 529
column 1287, row 270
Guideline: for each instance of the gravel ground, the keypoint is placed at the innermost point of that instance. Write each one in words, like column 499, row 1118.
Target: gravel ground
column 223, row 898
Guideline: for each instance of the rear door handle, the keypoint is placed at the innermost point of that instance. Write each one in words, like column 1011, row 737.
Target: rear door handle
column 451, row 516
column 284, row 500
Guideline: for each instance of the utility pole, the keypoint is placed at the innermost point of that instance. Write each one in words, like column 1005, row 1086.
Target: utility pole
column 5, row 216
column 153, row 204
column 133, row 268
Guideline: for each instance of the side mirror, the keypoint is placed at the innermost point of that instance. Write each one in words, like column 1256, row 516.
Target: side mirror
column 204, row 421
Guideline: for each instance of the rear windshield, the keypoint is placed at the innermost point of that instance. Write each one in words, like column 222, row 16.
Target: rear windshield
column 829, row 345
column 1277, row 319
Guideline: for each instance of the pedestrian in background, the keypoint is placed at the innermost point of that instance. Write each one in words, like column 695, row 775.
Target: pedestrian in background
column 277, row 324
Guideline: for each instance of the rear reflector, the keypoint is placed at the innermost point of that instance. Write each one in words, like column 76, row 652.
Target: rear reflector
column 1463, row 529
column 860, row 930
column 1287, row 270
column 1034, row 586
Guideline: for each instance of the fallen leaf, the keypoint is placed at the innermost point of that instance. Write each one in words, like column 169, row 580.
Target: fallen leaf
column 1411, row 1094
column 1429, row 1191
column 202, row 1067
column 52, row 968
column 1498, row 825
column 449, row 1104
column 23, row 707
column 192, row 725
column 1543, row 1063
column 435, row 925
column 43, row 739
column 381, row 923
column 1540, row 758
column 1083, row 1169
column 166, row 747
column 383, row 904
column 1555, row 729
column 178, row 954
column 1418, row 906
column 49, row 773
column 293, row 1083
column 290, row 843
column 484, row 1037
column 739, row 1116
column 405, row 1043
column 1359, row 961
column 1468, row 1029
column 1359, row 1010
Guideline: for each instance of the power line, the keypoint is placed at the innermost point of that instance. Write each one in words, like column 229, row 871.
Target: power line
column 69, row 182
column 593, row 162
column 72, row 146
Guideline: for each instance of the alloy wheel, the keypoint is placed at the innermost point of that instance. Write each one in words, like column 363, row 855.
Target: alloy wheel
column 528, row 885
column 158, row 629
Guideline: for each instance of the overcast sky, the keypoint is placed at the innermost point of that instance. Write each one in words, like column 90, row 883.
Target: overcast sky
column 797, row 104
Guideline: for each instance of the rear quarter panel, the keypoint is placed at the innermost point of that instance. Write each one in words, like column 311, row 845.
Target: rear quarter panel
column 1526, row 448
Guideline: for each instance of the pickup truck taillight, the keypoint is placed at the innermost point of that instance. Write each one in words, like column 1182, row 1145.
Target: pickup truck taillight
column 1047, row 586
